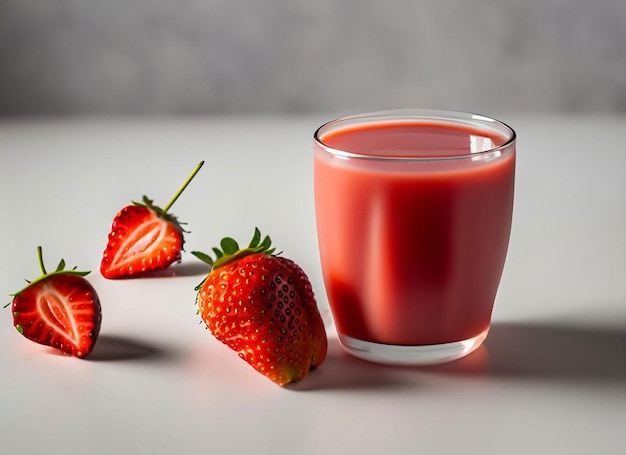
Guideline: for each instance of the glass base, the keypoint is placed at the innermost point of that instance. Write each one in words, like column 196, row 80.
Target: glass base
column 391, row 354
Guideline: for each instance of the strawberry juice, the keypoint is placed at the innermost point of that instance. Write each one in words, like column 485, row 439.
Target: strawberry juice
column 413, row 211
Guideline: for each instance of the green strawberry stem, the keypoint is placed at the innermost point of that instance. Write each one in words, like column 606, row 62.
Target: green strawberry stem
column 42, row 267
column 182, row 188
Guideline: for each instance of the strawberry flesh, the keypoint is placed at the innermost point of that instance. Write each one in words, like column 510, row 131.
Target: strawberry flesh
column 62, row 311
column 140, row 241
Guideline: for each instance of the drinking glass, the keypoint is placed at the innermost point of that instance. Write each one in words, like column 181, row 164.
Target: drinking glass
column 413, row 212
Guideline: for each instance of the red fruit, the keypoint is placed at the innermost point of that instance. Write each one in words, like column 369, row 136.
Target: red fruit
column 59, row 309
column 262, row 306
column 144, row 238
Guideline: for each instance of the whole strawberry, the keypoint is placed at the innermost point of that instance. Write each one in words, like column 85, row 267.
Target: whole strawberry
column 144, row 238
column 262, row 306
column 59, row 309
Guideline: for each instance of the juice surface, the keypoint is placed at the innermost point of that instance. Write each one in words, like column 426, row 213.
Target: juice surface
column 412, row 252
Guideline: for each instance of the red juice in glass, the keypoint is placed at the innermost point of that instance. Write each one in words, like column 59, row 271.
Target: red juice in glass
column 413, row 211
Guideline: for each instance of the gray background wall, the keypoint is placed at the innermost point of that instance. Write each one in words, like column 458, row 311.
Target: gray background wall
column 226, row 56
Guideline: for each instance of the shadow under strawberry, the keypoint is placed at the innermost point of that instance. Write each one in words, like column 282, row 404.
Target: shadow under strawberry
column 342, row 371
column 184, row 269
column 122, row 348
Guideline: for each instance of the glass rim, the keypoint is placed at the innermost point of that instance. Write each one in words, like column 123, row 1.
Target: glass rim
column 436, row 115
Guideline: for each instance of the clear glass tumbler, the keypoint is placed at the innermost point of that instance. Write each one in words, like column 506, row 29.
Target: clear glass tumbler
column 413, row 211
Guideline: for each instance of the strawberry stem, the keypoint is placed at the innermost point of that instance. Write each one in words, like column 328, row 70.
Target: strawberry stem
column 40, row 260
column 182, row 188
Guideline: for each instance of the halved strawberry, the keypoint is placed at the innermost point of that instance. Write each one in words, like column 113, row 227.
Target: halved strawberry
column 262, row 306
column 144, row 238
column 59, row 309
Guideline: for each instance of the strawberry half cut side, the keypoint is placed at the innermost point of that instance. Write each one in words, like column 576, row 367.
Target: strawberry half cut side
column 144, row 238
column 59, row 309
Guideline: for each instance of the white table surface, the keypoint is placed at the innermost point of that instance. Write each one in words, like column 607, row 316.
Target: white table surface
column 550, row 379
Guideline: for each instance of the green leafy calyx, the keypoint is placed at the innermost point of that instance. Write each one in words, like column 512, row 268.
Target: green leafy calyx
column 60, row 270
column 161, row 213
column 229, row 250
